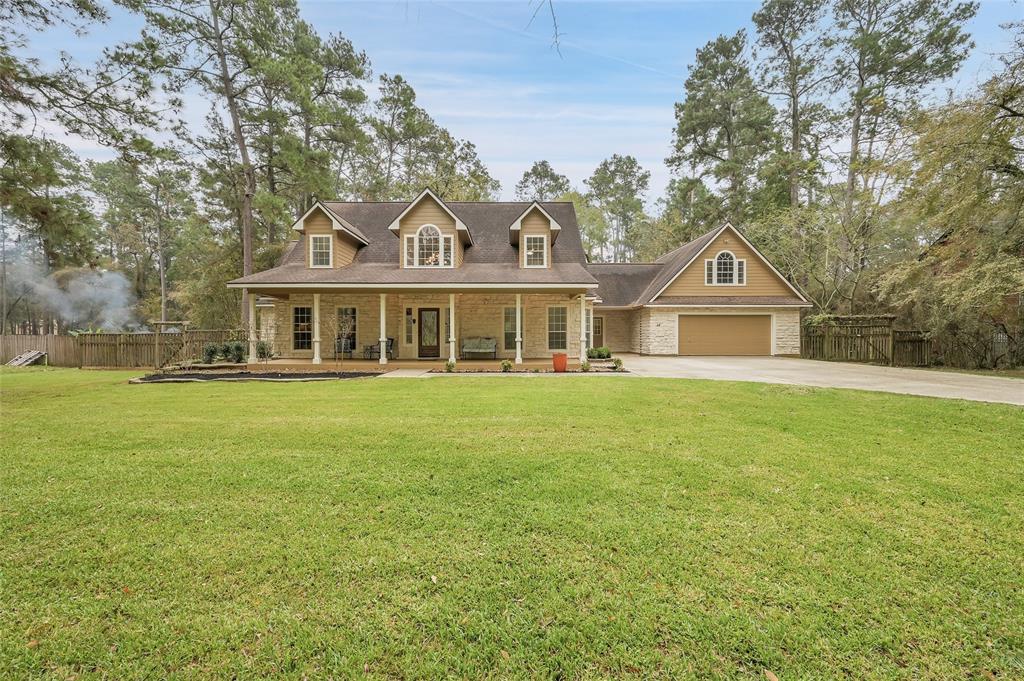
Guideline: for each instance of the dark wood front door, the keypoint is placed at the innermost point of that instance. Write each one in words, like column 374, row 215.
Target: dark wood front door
column 429, row 339
column 598, row 332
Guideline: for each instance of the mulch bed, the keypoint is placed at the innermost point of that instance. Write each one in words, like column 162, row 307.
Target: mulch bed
column 192, row 377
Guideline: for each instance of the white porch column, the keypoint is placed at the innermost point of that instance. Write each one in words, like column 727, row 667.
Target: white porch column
column 451, row 327
column 316, row 328
column 383, row 328
column 252, row 327
column 519, row 328
column 583, row 328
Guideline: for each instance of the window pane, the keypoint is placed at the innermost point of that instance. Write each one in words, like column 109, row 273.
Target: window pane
column 410, row 251
column 724, row 269
column 510, row 328
column 321, row 251
column 535, row 251
column 429, row 249
column 347, row 325
column 741, row 272
column 557, row 327
column 449, row 249
column 302, row 328
column 408, row 325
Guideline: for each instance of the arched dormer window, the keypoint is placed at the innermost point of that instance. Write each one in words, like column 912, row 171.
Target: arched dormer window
column 725, row 270
column 429, row 248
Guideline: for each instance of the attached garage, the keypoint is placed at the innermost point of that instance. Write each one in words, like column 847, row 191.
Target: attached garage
column 725, row 334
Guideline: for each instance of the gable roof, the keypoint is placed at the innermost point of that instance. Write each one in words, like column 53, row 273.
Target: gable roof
column 645, row 282
column 491, row 260
column 460, row 226
column 517, row 224
column 337, row 222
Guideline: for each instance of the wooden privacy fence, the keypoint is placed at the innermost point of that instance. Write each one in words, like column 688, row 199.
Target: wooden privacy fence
column 61, row 351
column 115, row 349
column 864, row 339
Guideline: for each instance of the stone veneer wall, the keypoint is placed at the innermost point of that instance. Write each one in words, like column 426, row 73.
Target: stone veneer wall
column 618, row 329
column 658, row 328
column 475, row 315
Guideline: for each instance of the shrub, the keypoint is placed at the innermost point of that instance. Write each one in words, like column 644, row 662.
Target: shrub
column 210, row 352
column 604, row 352
column 585, row 366
column 449, row 366
column 617, row 363
column 264, row 350
column 506, row 365
column 235, row 351
column 591, row 353
column 224, row 350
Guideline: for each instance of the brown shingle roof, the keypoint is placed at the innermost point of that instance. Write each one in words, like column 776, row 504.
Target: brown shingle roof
column 490, row 260
column 620, row 284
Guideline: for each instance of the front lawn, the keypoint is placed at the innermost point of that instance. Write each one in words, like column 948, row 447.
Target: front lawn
column 537, row 526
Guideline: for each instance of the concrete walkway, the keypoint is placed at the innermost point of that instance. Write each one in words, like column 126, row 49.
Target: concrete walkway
column 832, row 375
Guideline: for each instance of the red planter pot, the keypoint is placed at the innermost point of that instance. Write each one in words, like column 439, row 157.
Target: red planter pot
column 560, row 361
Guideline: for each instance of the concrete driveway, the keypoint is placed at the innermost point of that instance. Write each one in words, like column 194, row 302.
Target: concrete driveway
column 832, row 375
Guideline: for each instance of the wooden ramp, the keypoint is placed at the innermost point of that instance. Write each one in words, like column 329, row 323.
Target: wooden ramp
column 27, row 358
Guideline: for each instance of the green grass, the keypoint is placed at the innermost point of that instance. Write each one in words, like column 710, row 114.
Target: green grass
column 505, row 527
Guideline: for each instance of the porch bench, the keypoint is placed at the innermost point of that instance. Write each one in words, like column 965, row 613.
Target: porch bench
column 479, row 346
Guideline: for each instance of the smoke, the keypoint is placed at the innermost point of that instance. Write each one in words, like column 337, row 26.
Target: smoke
column 82, row 298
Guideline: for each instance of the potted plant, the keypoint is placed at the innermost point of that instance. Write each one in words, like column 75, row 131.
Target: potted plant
column 560, row 361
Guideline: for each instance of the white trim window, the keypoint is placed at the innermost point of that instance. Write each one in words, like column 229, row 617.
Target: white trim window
column 302, row 327
column 429, row 248
column 321, row 250
column 348, row 325
column 536, row 247
column 558, row 328
column 509, row 328
column 725, row 270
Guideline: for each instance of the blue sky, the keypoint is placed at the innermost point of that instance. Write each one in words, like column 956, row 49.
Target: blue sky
column 490, row 76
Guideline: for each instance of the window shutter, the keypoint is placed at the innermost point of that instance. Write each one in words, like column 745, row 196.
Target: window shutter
column 709, row 272
column 741, row 272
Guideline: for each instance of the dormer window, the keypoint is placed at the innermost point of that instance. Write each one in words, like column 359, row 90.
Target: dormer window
column 320, row 250
column 429, row 248
column 725, row 270
column 536, row 251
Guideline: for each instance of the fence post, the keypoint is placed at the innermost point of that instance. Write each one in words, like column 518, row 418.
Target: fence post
column 826, row 350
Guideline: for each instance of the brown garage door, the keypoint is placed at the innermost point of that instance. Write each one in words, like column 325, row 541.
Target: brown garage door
column 725, row 334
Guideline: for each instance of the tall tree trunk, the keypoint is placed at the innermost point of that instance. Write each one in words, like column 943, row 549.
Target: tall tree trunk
column 248, row 174
column 795, row 143
column 161, row 270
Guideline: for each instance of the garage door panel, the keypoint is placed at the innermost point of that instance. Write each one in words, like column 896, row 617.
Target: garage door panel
column 725, row 334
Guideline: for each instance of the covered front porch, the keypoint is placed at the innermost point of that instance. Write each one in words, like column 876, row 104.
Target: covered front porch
column 300, row 328
column 340, row 364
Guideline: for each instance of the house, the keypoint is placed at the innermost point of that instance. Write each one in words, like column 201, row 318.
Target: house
column 430, row 279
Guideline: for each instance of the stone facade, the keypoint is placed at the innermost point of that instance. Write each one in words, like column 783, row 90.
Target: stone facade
column 618, row 329
column 656, row 331
column 475, row 315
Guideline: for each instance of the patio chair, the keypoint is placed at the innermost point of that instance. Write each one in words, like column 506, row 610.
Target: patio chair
column 372, row 351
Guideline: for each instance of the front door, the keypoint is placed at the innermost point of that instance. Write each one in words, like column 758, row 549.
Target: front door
column 429, row 341
column 598, row 332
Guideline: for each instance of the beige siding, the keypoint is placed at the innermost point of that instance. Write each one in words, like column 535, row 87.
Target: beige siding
column 761, row 281
column 534, row 224
column 429, row 212
column 344, row 246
